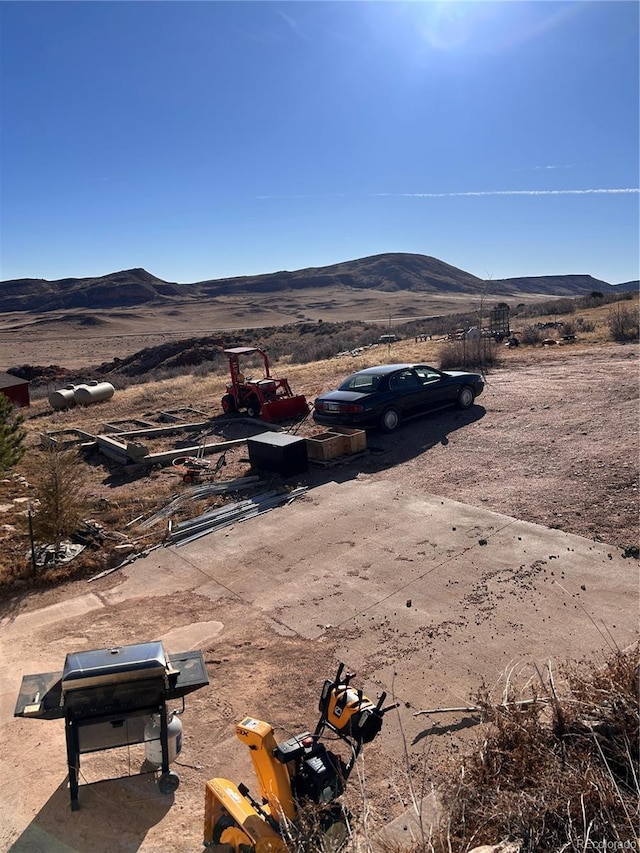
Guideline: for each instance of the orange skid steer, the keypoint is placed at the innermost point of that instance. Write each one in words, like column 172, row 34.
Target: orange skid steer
column 267, row 398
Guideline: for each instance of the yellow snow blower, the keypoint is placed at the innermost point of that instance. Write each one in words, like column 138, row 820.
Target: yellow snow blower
column 291, row 775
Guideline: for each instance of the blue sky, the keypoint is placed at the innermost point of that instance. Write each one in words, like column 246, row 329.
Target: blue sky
column 206, row 139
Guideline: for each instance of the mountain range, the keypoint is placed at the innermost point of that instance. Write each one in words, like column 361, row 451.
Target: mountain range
column 386, row 273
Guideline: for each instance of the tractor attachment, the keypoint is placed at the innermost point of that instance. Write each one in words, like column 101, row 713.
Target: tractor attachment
column 267, row 398
column 292, row 776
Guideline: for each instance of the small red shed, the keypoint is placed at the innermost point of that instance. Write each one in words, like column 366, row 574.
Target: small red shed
column 16, row 389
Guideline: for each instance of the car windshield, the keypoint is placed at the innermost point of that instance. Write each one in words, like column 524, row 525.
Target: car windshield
column 364, row 383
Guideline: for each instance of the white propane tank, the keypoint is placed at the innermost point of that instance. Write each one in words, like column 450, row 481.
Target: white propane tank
column 62, row 399
column 93, row 392
column 153, row 744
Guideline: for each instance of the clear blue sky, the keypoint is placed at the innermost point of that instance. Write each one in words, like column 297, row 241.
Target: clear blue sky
column 206, row 139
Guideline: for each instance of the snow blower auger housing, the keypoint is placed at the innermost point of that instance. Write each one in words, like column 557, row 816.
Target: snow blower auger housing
column 267, row 398
column 292, row 774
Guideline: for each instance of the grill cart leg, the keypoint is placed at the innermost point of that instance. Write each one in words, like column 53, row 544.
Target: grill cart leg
column 73, row 761
column 164, row 738
column 169, row 779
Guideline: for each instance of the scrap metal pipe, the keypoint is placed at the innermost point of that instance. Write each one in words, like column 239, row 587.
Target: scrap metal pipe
column 188, row 531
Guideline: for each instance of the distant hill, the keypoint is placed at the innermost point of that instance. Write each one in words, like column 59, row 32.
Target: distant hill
column 552, row 285
column 386, row 273
column 628, row 286
column 116, row 290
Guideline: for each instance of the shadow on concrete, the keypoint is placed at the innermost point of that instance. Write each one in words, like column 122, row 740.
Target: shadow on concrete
column 115, row 816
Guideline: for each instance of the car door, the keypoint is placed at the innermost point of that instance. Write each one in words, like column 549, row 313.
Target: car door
column 435, row 391
column 406, row 391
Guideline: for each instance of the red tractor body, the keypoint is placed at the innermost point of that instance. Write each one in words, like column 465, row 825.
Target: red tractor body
column 267, row 398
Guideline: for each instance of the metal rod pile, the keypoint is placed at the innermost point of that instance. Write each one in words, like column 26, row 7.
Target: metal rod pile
column 194, row 528
column 197, row 493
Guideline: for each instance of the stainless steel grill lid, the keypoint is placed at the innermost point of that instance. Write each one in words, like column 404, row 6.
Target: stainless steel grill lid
column 115, row 665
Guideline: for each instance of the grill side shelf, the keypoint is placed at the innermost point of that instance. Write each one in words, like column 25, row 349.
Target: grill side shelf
column 191, row 673
column 40, row 697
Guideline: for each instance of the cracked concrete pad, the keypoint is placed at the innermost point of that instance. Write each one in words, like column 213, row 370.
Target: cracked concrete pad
column 148, row 577
column 394, row 573
column 410, row 829
column 428, row 595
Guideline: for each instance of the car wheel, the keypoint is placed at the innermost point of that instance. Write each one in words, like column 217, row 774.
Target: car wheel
column 466, row 397
column 390, row 419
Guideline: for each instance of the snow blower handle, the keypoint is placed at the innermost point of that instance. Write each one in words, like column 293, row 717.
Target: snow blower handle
column 382, row 711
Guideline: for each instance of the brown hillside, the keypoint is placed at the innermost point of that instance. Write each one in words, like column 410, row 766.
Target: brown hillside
column 121, row 289
column 386, row 273
column 389, row 272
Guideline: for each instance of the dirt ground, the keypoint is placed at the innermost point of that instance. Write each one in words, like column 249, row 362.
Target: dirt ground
column 552, row 441
column 556, row 444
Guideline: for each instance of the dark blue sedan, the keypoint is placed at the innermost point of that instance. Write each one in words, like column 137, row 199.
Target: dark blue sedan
column 386, row 395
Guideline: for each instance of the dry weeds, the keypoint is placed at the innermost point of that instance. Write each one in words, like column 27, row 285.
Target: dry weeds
column 558, row 774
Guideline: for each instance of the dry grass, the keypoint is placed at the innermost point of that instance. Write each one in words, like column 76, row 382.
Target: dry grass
column 561, row 774
column 480, row 355
column 591, row 324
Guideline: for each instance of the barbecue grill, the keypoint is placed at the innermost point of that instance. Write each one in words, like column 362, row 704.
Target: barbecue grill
column 116, row 697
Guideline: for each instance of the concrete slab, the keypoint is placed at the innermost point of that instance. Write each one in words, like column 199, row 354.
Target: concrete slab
column 424, row 596
column 25, row 623
column 162, row 572
column 372, row 563
column 427, row 597
column 369, row 546
column 411, row 830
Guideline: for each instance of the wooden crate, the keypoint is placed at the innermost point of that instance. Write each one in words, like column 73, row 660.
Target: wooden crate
column 326, row 445
column 355, row 440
